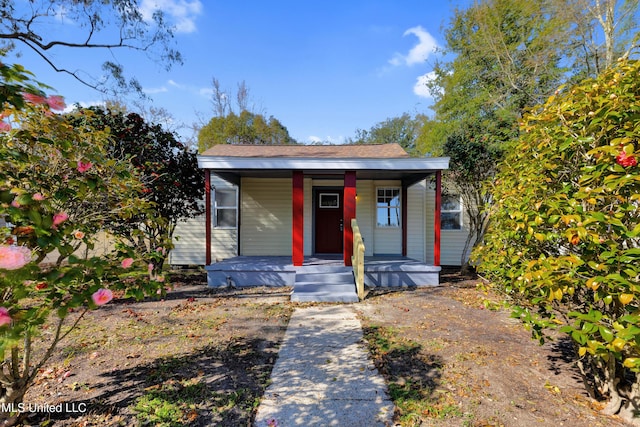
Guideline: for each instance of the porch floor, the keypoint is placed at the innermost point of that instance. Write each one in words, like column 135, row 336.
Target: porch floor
column 320, row 278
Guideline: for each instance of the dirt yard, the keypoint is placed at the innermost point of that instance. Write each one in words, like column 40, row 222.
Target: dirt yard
column 470, row 365
column 203, row 358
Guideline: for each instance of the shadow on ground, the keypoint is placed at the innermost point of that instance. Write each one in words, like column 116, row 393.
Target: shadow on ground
column 212, row 386
column 412, row 375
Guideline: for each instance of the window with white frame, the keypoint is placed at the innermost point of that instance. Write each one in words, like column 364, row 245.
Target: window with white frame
column 329, row 200
column 225, row 209
column 451, row 212
column 388, row 207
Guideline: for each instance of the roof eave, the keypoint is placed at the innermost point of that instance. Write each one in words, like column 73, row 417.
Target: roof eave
column 329, row 164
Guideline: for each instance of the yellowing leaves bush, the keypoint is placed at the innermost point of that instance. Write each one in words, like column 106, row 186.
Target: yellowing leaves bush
column 566, row 216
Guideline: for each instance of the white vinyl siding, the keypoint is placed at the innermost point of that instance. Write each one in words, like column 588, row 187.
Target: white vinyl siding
column 387, row 240
column 103, row 243
column 224, row 244
column 452, row 246
column 451, row 241
column 415, row 221
column 190, row 237
column 365, row 213
column 266, row 216
column 189, row 242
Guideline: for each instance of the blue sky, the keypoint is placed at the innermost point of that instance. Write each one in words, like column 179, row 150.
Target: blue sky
column 322, row 68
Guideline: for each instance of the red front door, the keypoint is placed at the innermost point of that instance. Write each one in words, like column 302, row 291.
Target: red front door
column 328, row 220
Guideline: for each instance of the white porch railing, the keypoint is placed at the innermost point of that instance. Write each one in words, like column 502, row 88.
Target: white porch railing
column 357, row 259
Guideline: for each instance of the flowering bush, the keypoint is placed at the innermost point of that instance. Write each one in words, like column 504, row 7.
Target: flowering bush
column 564, row 239
column 173, row 183
column 14, row 257
column 58, row 190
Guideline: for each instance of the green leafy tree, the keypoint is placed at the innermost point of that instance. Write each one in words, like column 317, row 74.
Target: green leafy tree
column 564, row 238
column 245, row 128
column 403, row 130
column 473, row 161
column 58, row 188
column 238, row 123
column 106, row 25
column 506, row 57
column 173, row 183
column 503, row 60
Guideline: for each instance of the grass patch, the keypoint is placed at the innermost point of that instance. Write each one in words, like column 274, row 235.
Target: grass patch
column 242, row 399
column 174, row 403
column 177, row 394
column 412, row 377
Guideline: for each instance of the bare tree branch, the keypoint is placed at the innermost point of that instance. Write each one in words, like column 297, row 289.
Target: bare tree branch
column 109, row 26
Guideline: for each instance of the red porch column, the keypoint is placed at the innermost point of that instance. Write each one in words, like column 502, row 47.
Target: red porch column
column 349, row 213
column 436, row 219
column 297, row 244
column 207, row 201
column 403, row 207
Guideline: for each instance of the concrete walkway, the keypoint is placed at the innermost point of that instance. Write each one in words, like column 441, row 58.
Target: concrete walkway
column 323, row 376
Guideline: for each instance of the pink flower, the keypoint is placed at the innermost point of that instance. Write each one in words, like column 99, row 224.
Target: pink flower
column 5, row 318
column 126, row 263
column 78, row 235
column 150, row 267
column 5, row 127
column 56, row 102
column 83, row 167
column 59, row 218
column 102, row 296
column 38, row 197
column 14, row 257
column 15, row 203
column 625, row 160
column 33, row 98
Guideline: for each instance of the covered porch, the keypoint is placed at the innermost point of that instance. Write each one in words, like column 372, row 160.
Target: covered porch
column 301, row 204
column 320, row 279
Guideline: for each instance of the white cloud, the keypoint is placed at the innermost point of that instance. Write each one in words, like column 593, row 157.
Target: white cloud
column 326, row 140
column 164, row 88
column 207, row 92
column 420, row 88
column 154, row 90
column 83, row 104
column 182, row 12
column 418, row 54
column 173, row 83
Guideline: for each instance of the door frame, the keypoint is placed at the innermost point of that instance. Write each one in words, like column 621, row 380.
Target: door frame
column 315, row 192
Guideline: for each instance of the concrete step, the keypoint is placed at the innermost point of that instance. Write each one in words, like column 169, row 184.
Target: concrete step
column 328, row 278
column 324, row 283
column 320, row 292
column 322, row 269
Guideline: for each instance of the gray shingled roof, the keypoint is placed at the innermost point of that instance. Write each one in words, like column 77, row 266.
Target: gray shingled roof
column 373, row 151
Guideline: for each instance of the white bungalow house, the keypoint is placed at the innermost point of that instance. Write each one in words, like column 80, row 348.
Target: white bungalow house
column 279, row 208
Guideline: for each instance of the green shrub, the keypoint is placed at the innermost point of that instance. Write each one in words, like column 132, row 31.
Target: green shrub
column 563, row 242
